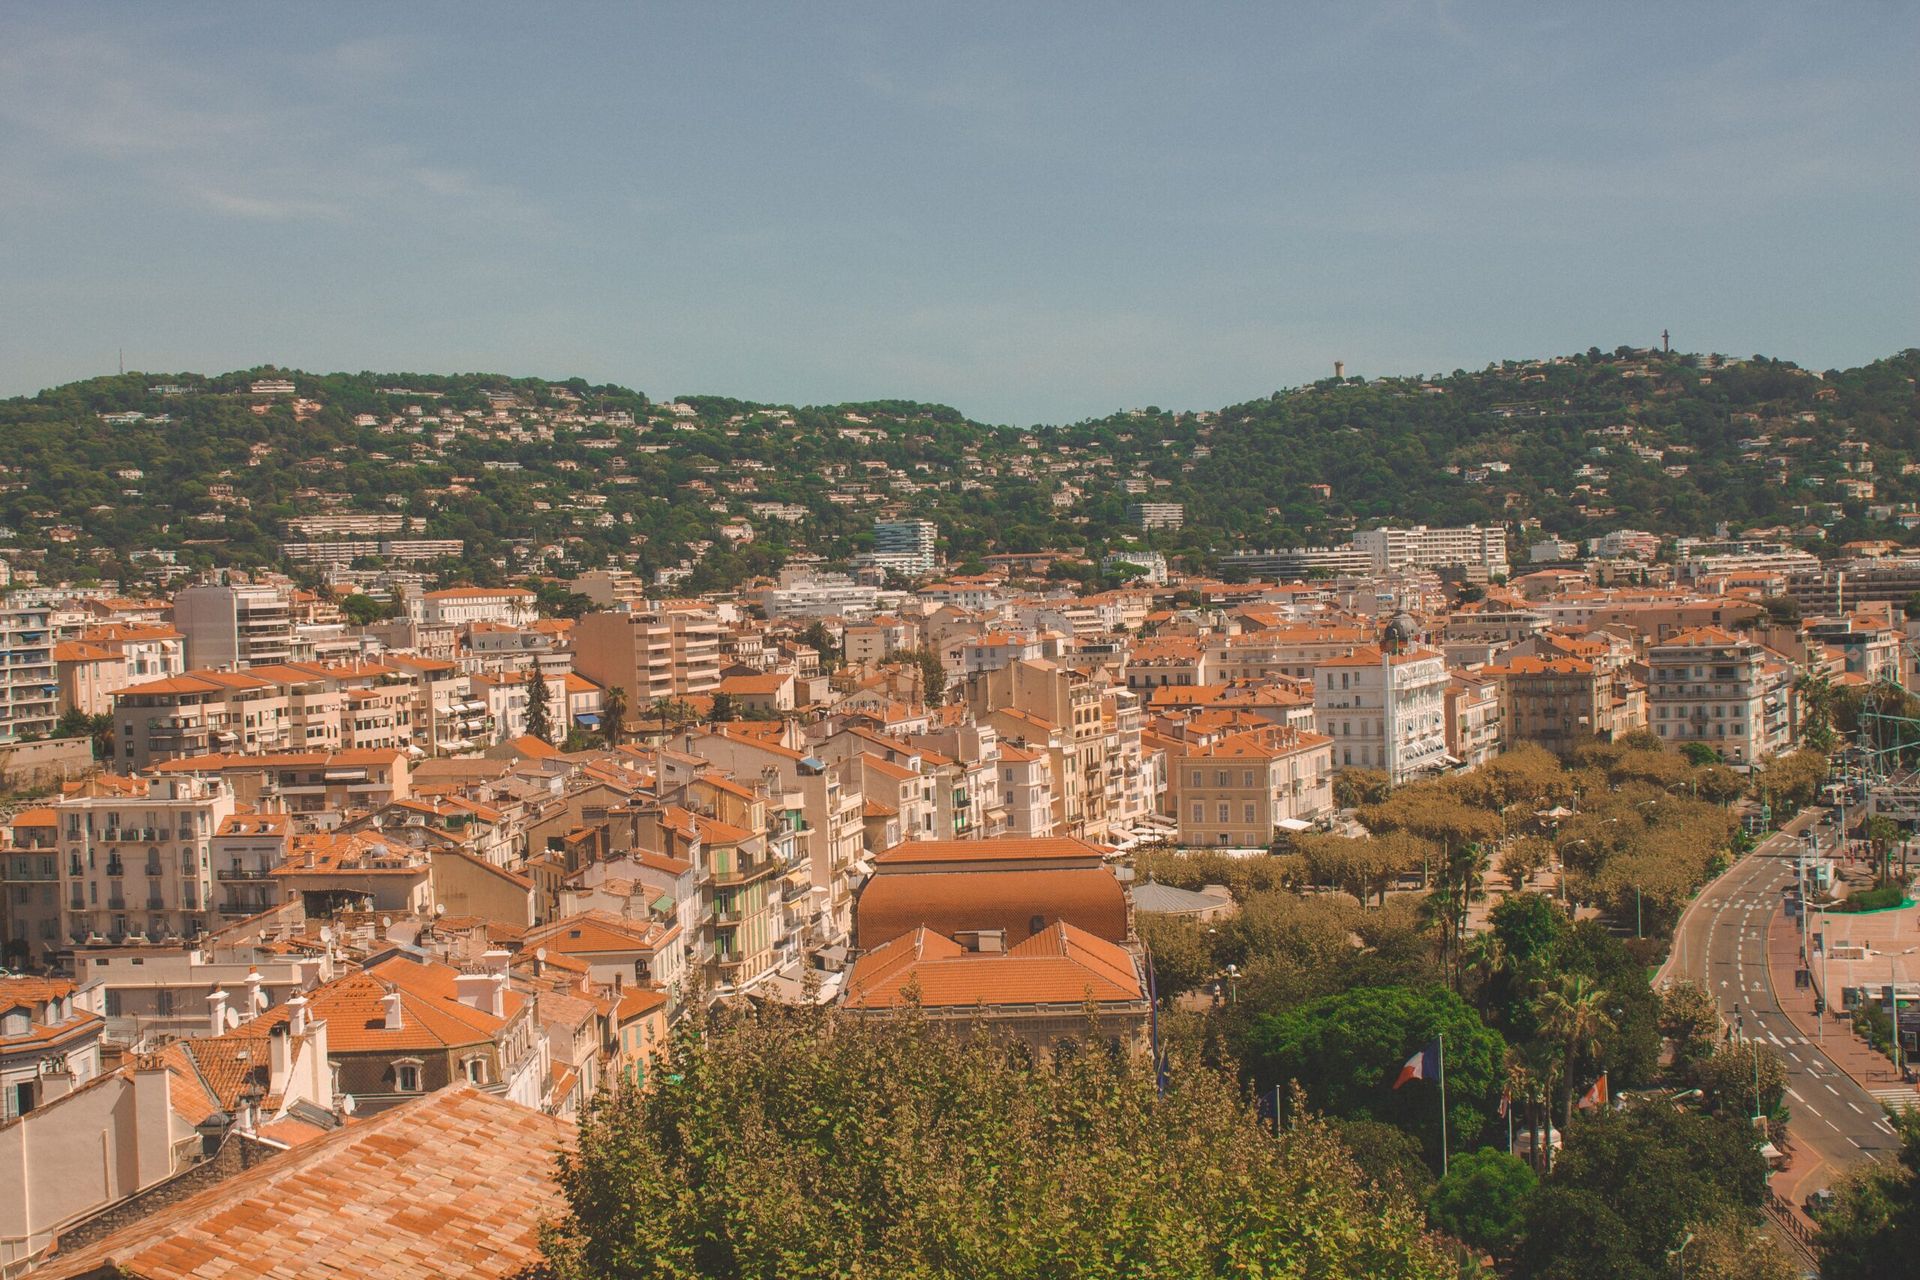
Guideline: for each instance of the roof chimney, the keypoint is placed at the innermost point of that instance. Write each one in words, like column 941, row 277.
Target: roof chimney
column 297, row 1015
column 217, row 1013
column 390, row 1004
column 483, row 991
column 279, row 1058
column 254, row 1001
column 495, row 960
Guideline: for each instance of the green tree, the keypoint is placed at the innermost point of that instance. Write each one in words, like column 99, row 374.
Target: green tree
column 724, row 708
column 539, row 717
column 1690, row 1018
column 613, row 712
column 811, row 1143
column 1573, row 1013
column 1872, row 1232
column 1347, row 1049
column 363, row 610
column 1182, row 960
column 1480, row 1198
column 1630, row 1185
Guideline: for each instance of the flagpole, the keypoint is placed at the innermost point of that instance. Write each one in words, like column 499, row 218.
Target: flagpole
column 1441, row 1039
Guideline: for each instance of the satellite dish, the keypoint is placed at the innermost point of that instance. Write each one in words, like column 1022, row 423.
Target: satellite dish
column 326, row 933
column 439, row 908
column 347, row 1104
column 386, row 922
column 233, row 1019
column 540, row 953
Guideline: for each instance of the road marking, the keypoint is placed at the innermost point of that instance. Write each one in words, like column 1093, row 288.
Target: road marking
column 1795, row 1095
column 1856, row 1110
column 1881, row 1124
column 1835, row 1092
column 1793, row 1055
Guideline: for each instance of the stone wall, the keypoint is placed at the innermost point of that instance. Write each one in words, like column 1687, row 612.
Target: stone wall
column 51, row 760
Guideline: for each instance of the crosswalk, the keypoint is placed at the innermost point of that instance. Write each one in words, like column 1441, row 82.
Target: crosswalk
column 1896, row 1099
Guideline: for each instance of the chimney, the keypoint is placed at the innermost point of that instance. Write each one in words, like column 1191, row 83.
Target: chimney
column 495, row 960
column 390, row 1004
column 297, row 1016
column 279, row 1058
column 497, row 996
column 254, row 1004
column 475, row 990
column 217, row 1013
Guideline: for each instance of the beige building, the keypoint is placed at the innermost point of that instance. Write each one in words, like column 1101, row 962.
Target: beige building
column 1713, row 687
column 650, row 654
column 1242, row 788
column 1562, row 703
column 138, row 862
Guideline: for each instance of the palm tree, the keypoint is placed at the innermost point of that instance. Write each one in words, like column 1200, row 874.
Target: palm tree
column 1575, row 1014
column 1530, row 1080
column 1486, row 955
column 614, row 708
column 662, row 709
column 1461, row 882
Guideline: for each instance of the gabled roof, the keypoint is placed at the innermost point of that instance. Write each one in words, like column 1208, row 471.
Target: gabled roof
column 454, row 1184
column 1061, row 966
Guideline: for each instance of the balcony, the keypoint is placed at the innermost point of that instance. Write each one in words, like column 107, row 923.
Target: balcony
column 748, row 873
column 242, row 873
column 115, row 867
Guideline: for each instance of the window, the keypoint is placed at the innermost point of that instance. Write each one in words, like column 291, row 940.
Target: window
column 406, row 1077
column 1249, row 813
column 1225, row 811
column 476, row 1070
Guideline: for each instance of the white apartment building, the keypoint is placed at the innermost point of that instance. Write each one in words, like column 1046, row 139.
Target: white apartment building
column 1157, row 515
column 903, row 546
column 1390, row 550
column 1384, row 710
column 29, row 683
column 1710, row 686
column 227, row 627
column 460, row 606
column 140, row 865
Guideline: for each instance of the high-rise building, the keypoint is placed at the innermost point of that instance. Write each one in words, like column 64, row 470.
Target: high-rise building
column 29, row 683
column 1714, row 687
column 904, row 546
column 649, row 653
column 1384, row 710
column 1157, row 515
column 228, row 627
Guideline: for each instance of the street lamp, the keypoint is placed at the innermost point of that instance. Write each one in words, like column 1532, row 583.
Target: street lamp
column 1233, row 974
column 1893, row 998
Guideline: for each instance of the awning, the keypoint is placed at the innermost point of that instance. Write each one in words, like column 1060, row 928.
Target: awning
column 587, row 718
column 1293, row 824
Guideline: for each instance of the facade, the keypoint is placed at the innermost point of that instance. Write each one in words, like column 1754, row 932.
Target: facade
column 29, row 683
column 1713, row 687
column 227, row 627
column 462, row 606
column 903, row 546
column 1157, row 515
column 1384, row 711
column 1244, row 788
column 1561, row 703
column 139, row 864
column 1474, row 729
column 651, row 654
column 1476, row 547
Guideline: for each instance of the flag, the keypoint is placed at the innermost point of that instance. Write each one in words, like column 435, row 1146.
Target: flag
column 1506, row 1100
column 1596, row 1096
column 1423, row 1065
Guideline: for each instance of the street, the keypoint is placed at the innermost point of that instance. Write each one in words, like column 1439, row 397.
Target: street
column 1722, row 942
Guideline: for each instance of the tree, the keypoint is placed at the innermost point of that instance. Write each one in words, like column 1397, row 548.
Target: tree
column 1742, row 1078
column 1690, row 1018
column 1346, row 1049
column 1629, row 1186
column 1480, row 1198
column 539, row 718
column 1182, row 961
column 363, row 610
column 812, row 1143
column 1700, row 754
column 724, row 708
column 613, row 710
column 933, row 674
column 1872, row 1232
column 1573, row 1013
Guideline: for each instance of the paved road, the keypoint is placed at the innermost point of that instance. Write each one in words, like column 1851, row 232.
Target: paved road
column 1722, row 943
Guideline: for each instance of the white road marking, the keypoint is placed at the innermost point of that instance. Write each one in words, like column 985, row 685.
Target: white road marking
column 1835, row 1092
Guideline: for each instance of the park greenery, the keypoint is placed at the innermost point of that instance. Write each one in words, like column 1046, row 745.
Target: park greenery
column 1516, row 912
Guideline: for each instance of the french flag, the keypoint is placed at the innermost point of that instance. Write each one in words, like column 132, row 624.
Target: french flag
column 1423, row 1065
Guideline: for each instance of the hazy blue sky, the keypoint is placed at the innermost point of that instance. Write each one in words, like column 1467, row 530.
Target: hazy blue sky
column 1032, row 212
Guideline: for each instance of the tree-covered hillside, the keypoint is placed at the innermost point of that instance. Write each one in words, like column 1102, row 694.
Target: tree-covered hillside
column 557, row 477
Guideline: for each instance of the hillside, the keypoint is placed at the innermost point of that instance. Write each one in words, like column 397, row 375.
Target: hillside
column 555, row 477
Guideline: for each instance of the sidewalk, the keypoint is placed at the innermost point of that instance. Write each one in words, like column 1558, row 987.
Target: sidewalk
column 1871, row 1070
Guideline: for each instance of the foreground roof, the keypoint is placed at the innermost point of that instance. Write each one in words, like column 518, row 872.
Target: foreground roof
column 455, row 1184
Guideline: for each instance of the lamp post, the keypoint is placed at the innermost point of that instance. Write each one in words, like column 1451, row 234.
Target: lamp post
column 1893, row 998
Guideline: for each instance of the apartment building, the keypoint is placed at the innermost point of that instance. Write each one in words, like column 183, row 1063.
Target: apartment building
column 1562, row 703
column 1476, row 547
column 1157, row 515
column 1239, row 789
column 199, row 712
column 1710, row 686
column 905, row 547
column 29, row 683
column 138, row 863
column 1474, row 719
column 30, row 883
column 661, row 652
column 1384, row 710
column 462, row 606
column 228, row 626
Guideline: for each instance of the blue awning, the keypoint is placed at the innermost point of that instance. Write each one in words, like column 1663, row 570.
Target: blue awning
column 589, row 719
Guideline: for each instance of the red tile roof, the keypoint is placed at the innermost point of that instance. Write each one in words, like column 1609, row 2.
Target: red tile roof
column 455, row 1184
column 1063, row 966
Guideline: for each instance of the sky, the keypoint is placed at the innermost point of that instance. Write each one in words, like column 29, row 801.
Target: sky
column 1034, row 213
